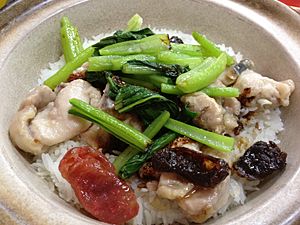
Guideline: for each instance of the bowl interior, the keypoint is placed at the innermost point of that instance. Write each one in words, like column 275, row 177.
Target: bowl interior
column 39, row 44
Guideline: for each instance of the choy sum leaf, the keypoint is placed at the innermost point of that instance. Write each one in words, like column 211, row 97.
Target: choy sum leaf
column 144, row 102
column 172, row 71
column 120, row 36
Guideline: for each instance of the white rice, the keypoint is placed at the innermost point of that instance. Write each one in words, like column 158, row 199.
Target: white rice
column 47, row 167
column 153, row 210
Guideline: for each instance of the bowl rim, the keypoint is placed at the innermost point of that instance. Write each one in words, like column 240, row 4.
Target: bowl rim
column 287, row 18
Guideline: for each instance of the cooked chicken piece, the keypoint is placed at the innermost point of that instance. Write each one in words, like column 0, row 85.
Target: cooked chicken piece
column 152, row 185
column 106, row 103
column 20, row 133
column 96, row 137
column 230, row 122
column 48, row 122
column 38, row 97
column 232, row 105
column 19, row 130
column 205, row 202
column 54, row 124
column 171, row 186
column 211, row 115
column 260, row 91
column 210, row 112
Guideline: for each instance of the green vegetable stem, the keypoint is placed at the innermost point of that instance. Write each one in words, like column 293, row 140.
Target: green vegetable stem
column 63, row 74
column 135, row 23
column 187, row 49
column 221, row 91
column 213, row 140
column 112, row 125
column 155, row 80
column 169, row 57
column 170, row 89
column 70, row 40
column 142, row 67
column 130, row 68
column 210, row 49
column 202, row 75
column 114, row 62
column 139, row 82
column 150, row 45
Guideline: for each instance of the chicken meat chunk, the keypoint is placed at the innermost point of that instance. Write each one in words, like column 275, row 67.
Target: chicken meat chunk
column 171, row 186
column 211, row 115
column 203, row 203
column 43, row 119
column 259, row 91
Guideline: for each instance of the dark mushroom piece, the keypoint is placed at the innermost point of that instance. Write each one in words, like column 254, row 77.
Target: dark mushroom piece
column 196, row 167
column 260, row 160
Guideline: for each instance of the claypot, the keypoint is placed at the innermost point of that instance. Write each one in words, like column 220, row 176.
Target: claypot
column 265, row 31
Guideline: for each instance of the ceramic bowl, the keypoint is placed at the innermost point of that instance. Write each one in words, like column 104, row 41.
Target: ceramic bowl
column 265, row 31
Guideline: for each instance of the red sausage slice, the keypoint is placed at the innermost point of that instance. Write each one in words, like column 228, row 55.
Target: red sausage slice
column 98, row 189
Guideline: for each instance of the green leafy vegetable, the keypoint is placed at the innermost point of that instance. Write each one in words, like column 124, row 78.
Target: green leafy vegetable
column 112, row 125
column 139, row 82
column 114, row 62
column 135, row 23
column 170, row 89
column 115, row 84
column 135, row 163
column 213, row 140
column 96, row 79
column 172, row 71
column 203, row 75
column 150, row 45
column 155, row 80
column 210, row 49
column 138, row 69
column 169, row 57
column 221, row 91
column 144, row 102
column 210, row 91
column 120, row 36
column 187, row 49
column 70, row 40
column 63, row 74
column 150, row 132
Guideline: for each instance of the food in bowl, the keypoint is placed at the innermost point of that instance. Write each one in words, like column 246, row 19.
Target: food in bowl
column 144, row 128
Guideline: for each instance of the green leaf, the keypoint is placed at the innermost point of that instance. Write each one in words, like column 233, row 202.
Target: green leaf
column 144, row 102
column 172, row 71
column 120, row 36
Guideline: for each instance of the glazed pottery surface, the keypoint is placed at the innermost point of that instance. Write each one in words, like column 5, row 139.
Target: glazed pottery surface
column 265, row 31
